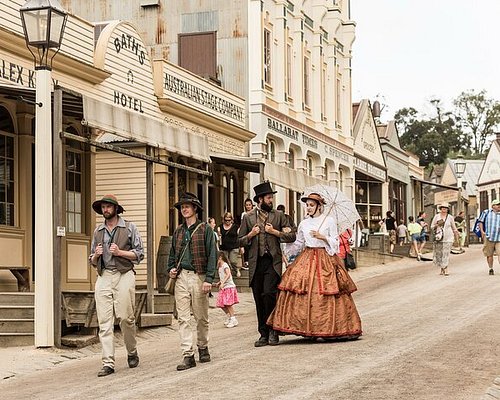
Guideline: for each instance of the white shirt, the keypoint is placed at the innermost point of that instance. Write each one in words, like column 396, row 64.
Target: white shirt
column 222, row 274
column 326, row 226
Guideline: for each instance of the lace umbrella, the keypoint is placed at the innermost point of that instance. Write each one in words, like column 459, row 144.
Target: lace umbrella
column 338, row 205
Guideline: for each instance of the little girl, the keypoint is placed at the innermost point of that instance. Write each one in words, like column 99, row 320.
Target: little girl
column 228, row 296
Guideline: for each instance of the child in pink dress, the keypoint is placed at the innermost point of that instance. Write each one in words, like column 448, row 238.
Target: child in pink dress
column 228, row 296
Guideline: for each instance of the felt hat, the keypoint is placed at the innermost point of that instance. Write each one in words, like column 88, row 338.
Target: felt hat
column 188, row 198
column 444, row 205
column 313, row 196
column 262, row 189
column 110, row 199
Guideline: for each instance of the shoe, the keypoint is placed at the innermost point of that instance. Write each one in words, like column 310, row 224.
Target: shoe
column 187, row 362
column 274, row 339
column 204, row 355
column 232, row 323
column 227, row 321
column 442, row 271
column 133, row 360
column 263, row 341
column 445, row 271
column 491, row 272
column 419, row 257
column 238, row 274
column 105, row 371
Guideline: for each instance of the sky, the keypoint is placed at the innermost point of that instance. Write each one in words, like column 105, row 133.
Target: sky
column 407, row 52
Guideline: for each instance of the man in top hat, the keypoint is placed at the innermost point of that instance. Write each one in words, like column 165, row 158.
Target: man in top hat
column 116, row 247
column 192, row 261
column 261, row 231
column 489, row 224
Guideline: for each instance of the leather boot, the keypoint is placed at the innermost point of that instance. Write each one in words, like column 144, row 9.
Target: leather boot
column 187, row 362
column 204, row 355
column 274, row 339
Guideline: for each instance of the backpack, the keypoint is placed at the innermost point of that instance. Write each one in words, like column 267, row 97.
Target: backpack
column 476, row 229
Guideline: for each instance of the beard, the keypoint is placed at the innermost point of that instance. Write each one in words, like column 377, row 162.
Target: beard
column 109, row 215
column 267, row 207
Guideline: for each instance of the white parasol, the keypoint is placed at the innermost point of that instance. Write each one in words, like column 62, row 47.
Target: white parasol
column 338, row 205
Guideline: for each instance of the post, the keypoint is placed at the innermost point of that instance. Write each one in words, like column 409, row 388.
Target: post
column 150, row 232
column 205, row 198
column 58, row 208
column 44, row 231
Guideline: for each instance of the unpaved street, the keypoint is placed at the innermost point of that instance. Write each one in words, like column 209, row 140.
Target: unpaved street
column 425, row 337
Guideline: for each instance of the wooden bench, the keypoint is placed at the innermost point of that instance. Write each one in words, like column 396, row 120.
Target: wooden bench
column 22, row 275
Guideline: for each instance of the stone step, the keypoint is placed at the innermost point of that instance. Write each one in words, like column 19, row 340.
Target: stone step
column 16, row 339
column 17, row 312
column 148, row 320
column 17, row 326
column 163, row 303
column 17, row 298
column 79, row 341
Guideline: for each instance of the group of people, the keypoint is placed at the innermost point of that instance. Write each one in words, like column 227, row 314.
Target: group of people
column 311, row 298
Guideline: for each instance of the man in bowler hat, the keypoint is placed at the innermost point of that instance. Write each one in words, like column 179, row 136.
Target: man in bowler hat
column 116, row 247
column 261, row 231
column 192, row 261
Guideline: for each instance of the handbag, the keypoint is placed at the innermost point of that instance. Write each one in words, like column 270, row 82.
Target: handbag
column 170, row 286
column 439, row 232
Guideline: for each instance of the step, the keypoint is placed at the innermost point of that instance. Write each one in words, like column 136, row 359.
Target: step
column 25, row 325
column 164, row 303
column 79, row 341
column 16, row 339
column 148, row 320
column 17, row 298
column 17, row 312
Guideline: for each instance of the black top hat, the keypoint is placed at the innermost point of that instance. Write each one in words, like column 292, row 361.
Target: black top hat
column 188, row 198
column 262, row 189
column 110, row 199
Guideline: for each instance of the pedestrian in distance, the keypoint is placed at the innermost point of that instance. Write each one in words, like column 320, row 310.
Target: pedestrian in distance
column 424, row 233
column 244, row 250
column 415, row 232
column 228, row 295
column 116, row 248
column 262, row 230
column 213, row 224
column 489, row 224
column 192, row 263
column 390, row 225
column 228, row 233
column 289, row 218
column 443, row 241
column 461, row 226
column 315, row 291
column 402, row 232
column 345, row 242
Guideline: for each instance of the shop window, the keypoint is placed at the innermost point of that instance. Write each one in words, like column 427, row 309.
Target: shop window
column 7, row 172
column 198, row 54
column 267, row 56
column 74, row 186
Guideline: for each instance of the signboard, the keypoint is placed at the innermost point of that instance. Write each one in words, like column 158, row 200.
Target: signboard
column 369, row 169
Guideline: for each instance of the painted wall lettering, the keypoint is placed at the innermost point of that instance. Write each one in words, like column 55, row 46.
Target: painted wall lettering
column 127, row 101
column 282, row 128
column 128, row 42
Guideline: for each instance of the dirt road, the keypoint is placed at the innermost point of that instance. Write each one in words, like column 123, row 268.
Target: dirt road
column 425, row 337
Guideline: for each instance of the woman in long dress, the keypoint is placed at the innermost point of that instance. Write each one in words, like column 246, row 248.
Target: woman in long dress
column 442, row 248
column 315, row 290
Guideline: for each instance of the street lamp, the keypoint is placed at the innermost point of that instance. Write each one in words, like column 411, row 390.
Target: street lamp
column 43, row 23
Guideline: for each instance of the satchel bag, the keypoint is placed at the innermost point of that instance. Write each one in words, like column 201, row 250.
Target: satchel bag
column 439, row 232
column 170, row 286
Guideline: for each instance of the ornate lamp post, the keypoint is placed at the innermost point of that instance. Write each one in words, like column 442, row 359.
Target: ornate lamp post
column 43, row 23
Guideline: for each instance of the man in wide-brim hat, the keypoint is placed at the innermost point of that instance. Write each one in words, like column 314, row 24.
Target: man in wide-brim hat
column 192, row 262
column 261, row 231
column 116, row 247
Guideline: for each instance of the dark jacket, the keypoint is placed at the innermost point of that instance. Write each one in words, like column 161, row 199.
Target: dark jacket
column 278, row 221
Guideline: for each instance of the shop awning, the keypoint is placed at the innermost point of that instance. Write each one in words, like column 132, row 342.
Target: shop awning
column 288, row 178
column 141, row 128
column 414, row 178
column 242, row 163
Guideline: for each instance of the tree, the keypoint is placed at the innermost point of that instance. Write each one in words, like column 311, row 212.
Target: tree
column 478, row 117
column 431, row 138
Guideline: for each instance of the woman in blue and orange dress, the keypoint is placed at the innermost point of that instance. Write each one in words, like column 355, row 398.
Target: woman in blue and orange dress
column 315, row 291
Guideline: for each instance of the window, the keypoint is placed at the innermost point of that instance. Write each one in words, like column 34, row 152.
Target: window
column 232, row 194
column 225, row 192
column 323, row 93
column 198, row 53
column 7, row 179
column 338, row 99
column 267, row 56
column 493, row 194
column 288, row 83
column 310, row 166
column 291, row 159
column 307, row 83
column 341, row 179
column 483, row 199
column 326, row 172
column 271, row 150
column 7, row 172
column 74, row 186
